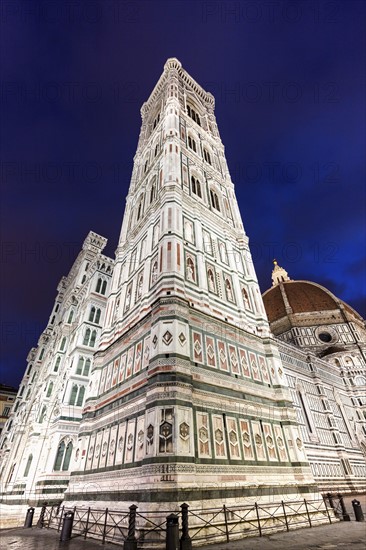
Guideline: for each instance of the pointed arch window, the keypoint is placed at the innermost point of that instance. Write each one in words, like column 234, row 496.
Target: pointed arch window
column 70, row 317
column 93, row 338
column 87, row 337
column 192, row 144
column 28, row 465
column 194, row 115
column 42, row 416
column 94, row 315
column 80, row 398
column 49, row 389
column 63, row 344
column 87, row 367
column 214, row 200
column 41, row 355
column 57, row 364
column 99, row 285
column 67, row 457
column 196, row 187
column 80, row 366
column 206, row 156
column 73, row 394
column 63, row 456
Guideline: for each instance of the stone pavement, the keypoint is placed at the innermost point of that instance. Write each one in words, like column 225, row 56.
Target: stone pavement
column 342, row 535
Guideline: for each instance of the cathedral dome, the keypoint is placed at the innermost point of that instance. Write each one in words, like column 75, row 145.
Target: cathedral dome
column 310, row 316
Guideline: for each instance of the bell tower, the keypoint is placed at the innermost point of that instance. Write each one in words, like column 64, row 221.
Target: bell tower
column 188, row 400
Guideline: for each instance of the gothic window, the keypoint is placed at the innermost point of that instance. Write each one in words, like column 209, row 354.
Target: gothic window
column 146, row 166
column 153, row 190
column 192, row 144
column 83, row 279
column 196, row 187
column 360, row 380
column 80, row 365
column 71, row 316
column 77, row 395
column 214, row 200
column 194, row 116
column 156, row 121
column 63, row 456
column 86, row 337
column 57, row 364
column 94, row 315
column 246, row 300
column 156, row 151
column 63, row 343
column 206, row 156
column 101, row 286
column 49, row 389
column 28, row 465
column 229, row 290
column 42, row 416
column 41, row 355
column 139, row 208
column 190, row 270
column 80, row 399
column 86, row 369
column 93, row 338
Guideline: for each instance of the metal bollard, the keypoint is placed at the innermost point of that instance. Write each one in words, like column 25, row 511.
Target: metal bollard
column 185, row 539
column 345, row 515
column 29, row 518
column 358, row 510
column 172, row 532
column 131, row 541
column 67, row 526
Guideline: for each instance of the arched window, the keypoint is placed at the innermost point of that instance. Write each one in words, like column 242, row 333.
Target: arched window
column 97, row 316
column 99, row 285
column 28, row 465
column 360, row 380
column 87, row 337
column 214, row 200
column 83, row 279
column 192, row 144
column 29, row 369
column 104, row 287
column 156, row 151
column 193, row 114
column 41, row 355
column 196, row 186
column 153, row 190
column 63, row 343
column 59, row 456
column 349, row 361
column 139, row 209
column 156, row 121
column 206, row 156
column 80, row 399
column 71, row 316
column 57, row 364
column 80, row 365
column 91, row 314
column 42, row 416
column 49, row 389
column 67, row 457
column 93, row 337
column 73, row 394
column 86, row 367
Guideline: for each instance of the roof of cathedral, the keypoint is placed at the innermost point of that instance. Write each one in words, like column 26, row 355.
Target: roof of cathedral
column 291, row 297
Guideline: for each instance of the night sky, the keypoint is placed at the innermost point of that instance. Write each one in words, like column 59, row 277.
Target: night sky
column 289, row 83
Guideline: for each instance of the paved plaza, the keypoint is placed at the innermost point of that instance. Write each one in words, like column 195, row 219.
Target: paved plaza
column 340, row 535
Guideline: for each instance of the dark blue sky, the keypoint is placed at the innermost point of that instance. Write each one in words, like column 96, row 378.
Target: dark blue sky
column 289, row 83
